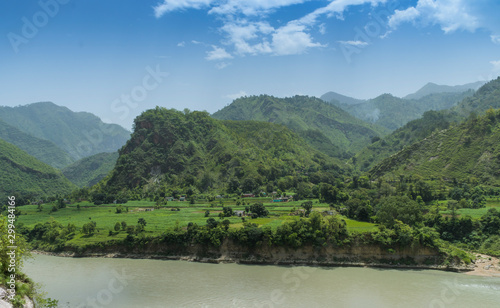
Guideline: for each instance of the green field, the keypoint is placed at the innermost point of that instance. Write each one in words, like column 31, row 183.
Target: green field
column 158, row 220
column 476, row 213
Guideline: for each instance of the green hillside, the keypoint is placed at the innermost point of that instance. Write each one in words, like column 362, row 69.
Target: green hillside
column 412, row 132
column 90, row 170
column 193, row 151
column 416, row 130
column 324, row 126
column 80, row 134
column 392, row 112
column 22, row 173
column 43, row 150
column 468, row 150
column 488, row 96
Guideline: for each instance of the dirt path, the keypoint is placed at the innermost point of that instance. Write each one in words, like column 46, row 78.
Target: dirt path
column 486, row 266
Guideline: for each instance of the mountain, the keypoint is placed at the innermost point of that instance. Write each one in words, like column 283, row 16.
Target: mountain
column 22, row 173
column 468, row 150
column 329, row 97
column 410, row 133
column 325, row 126
column 90, row 170
column 43, row 150
column 392, row 112
column 80, row 134
column 432, row 88
column 488, row 96
column 173, row 150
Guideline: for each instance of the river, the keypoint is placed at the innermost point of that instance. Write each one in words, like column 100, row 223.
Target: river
column 122, row 283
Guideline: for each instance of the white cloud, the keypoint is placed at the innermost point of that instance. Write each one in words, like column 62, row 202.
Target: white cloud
column 251, row 7
column 291, row 40
column 247, row 32
column 451, row 15
column 495, row 39
column 218, row 54
column 354, row 43
column 236, row 95
column 496, row 65
column 181, row 44
column 174, row 5
column 322, row 28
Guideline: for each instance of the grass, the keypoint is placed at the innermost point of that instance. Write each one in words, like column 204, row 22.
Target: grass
column 476, row 213
column 158, row 220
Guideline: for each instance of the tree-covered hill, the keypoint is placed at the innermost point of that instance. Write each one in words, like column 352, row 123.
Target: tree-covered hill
column 324, row 126
column 80, row 134
column 44, row 150
column 416, row 130
column 24, row 174
column 90, row 170
column 488, row 96
column 467, row 150
column 192, row 151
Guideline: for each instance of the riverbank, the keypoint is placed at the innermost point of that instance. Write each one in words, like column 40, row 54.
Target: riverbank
column 229, row 252
column 486, row 266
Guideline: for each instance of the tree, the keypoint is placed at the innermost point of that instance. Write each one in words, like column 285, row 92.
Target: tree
column 258, row 210
column 225, row 224
column 400, row 208
column 227, row 211
column 124, row 225
column 212, row 223
column 142, row 222
column 307, row 207
column 89, row 228
column 117, row 227
column 207, row 213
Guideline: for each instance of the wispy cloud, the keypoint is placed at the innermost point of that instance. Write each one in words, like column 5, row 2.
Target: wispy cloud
column 218, row 53
column 174, row 5
column 495, row 39
column 354, row 43
column 246, row 30
column 496, row 65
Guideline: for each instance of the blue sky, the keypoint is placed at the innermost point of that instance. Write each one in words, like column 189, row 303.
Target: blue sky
column 118, row 58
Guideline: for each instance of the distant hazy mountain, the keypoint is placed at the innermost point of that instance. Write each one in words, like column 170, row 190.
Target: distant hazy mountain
column 22, row 173
column 90, row 170
column 323, row 125
column 432, row 88
column 488, row 96
column 342, row 99
column 44, row 150
column 80, row 134
column 393, row 112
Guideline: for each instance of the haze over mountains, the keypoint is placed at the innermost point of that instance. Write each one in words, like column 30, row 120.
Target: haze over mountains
column 393, row 112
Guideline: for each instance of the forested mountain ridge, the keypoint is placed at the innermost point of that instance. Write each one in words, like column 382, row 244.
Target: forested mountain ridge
column 80, row 134
column 467, row 150
column 24, row 175
column 192, row 151
column 44, row 150
column 90, row 170
column 324, row 126
column 416, row 130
